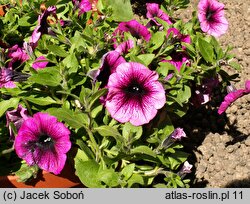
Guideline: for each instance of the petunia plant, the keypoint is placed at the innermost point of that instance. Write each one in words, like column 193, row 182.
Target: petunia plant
column 90, row 84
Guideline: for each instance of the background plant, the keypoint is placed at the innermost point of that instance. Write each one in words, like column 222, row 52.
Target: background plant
column 106, row 153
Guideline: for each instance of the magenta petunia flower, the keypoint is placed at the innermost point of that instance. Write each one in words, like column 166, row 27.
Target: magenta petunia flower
column 17, row 117
column 134, row 94
column 136, row 29
column 42, row 27
column 211, row 17
column 6, row 78
column 178, row 59
column 178, row 134
column 153, row 10
column 178, row 37
column 186, row 168
column 233, row 96
column 40, row 63
column 124, row 47
column 83, row 5
column 43, row 141
column 17, row 54
column 110, row 61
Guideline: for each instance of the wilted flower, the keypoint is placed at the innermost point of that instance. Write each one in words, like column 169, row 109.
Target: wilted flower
column 42, row 27
column 43, row 141
column 233, row 96
column 134, row 94
column 6, row 78
column 40, row 63
column 202, row 94
column 153, row 11
column 211, row 17
column 17, row 117
column 136, row 29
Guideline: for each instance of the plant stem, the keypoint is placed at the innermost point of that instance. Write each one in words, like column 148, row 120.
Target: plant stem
column 7, row 151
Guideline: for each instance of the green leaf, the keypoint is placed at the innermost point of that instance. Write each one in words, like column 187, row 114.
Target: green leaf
column 23, row 21
column 121, row 9
column 127, row 171
column 206, row 50
column 71, row 62
column 42, row 101
column 96, row 96
column 184, row 94
column 235, row 65
column 58, row 51
column 135, row 178
column 143, row 150
column 47, row 77
column 146, row 58
column 157, row 40
column 73, row 119
column 107, row 131
column 6, row 104
column 26, row 172
column 87, row 171
column 131, row 132
column 109, row 177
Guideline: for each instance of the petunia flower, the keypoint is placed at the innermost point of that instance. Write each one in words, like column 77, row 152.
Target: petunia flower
column 134, row 94
column 40, row 63
column 6, row 78
column 136, row 29
column 186, row 169
column 233, row 96
column 178, row 37
column 212, row 18
column 124, row 47
column 42, row 27
column 178, row 59
column 17, row 117
column 153, row 11
column 17, row 54
column 43, row 141
column 109, row 62
column 176, row 135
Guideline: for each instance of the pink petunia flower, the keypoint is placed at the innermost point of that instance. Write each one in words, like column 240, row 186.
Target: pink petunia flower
column 83, row 5
column 124, row 47
column 134, row 94
column 136, row 29
column 186, row 168
column 176, row 135
column 17, row 54
column 40, row 63
column 153, row 11
column 42, row 27
column 6, row 78
column 17, row 117
column 43, row 141
column 233, row 96
column 110, row 61
column 211, row 17
column 178, row 37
